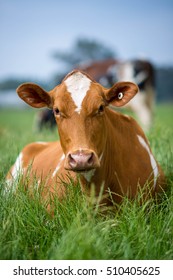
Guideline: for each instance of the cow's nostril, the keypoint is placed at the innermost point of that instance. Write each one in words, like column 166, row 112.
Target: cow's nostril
column 71, row 159
column 90, row 160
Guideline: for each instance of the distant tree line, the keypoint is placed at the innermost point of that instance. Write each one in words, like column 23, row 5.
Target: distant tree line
column 164, row 84
column 10, row 84
column 13, row 83
column 86, row 50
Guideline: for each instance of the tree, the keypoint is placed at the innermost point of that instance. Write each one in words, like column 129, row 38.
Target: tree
column 84, row 50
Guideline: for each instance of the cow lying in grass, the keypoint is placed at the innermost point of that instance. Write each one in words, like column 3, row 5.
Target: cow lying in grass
column 103, row 147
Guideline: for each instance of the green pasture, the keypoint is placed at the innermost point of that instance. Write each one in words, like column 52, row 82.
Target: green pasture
column 79, row 229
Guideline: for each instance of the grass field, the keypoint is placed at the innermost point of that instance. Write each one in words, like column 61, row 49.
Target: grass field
column 78, row 230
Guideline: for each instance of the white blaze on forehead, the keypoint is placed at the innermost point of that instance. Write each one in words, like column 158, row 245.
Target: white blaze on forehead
column 152, row 160
column 77, row 85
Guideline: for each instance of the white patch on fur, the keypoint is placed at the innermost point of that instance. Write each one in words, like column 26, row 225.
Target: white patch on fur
column 88, row 175
column 77, row 85
column 101, row 156
column 17, row 168
column 42, row 143
column 152, row 160
column 58, row 166
column 127, row 116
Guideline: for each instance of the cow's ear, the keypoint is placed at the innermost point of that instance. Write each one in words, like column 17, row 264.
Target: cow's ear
column 34, row 95
column 121, row 93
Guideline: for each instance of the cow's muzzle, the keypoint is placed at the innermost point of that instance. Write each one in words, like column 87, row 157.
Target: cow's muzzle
column 81, row 160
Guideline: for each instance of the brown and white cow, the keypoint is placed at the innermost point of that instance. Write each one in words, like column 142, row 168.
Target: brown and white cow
column 104, row 147
column 139, row 71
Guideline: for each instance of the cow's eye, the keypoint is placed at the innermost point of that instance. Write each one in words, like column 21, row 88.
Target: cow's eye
column 56, row 112
column 101, row 109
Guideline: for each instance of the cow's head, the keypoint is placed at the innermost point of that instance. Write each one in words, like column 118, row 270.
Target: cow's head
column 79, row 105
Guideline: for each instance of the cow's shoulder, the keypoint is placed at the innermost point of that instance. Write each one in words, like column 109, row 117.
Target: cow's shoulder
column 125, row 125
column 35, row 147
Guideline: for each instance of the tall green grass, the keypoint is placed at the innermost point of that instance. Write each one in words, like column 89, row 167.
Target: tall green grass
column 79, row 228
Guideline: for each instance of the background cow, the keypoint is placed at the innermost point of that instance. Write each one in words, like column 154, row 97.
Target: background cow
column 45, row 118
column 104, row 147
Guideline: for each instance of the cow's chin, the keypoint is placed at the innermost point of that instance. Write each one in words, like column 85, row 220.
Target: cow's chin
column 83, row 171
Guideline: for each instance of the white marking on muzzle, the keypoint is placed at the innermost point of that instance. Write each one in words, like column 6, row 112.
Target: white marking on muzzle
column 88, row 175
column 152, row 160
column 77, row 85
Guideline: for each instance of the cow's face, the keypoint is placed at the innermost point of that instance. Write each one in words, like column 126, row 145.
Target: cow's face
column 79, row 106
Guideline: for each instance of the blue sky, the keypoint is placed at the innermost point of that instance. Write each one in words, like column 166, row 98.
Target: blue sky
column 32, row 30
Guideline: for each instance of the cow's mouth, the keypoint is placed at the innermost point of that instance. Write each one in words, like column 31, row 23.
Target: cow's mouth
column 82, row 170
